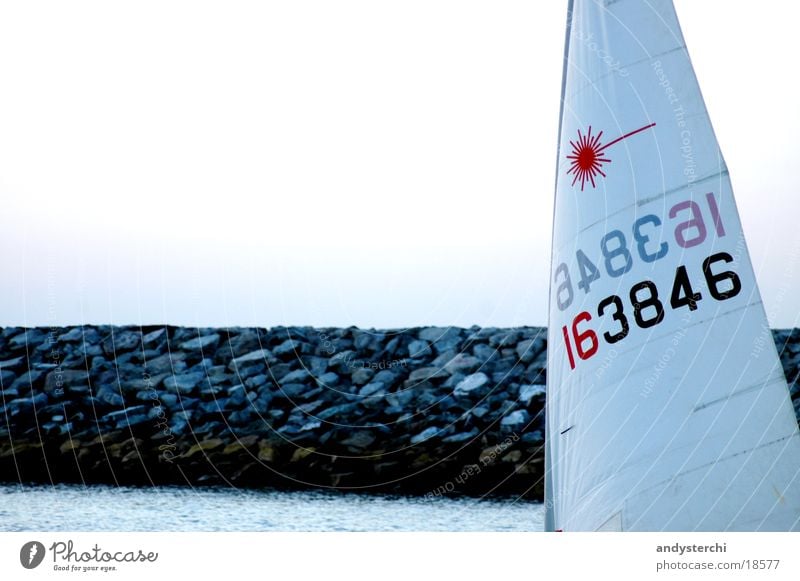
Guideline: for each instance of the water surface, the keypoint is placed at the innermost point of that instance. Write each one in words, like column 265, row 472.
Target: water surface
column 107, row 508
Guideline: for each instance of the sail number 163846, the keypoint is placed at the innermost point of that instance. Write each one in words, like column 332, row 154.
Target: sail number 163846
column 647, row 307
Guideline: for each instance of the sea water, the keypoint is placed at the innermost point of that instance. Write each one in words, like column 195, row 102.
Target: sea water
column 108, row 508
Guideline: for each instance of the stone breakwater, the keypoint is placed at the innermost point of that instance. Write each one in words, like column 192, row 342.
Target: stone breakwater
column 426, row 411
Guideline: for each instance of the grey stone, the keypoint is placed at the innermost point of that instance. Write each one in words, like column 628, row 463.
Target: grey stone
column 435, row 334
column 260, row 356
column 426, row 373
column 341, row 410
column 419, row 348
column 528, row 392
column 361, row 375
column 400, row 399
column 328, row 379
column 167, row 363
column 294, row 390
column 27, row 380
column 199, row 343
column 110, row 397
column 461, row 437
column 360, row 439
column 516, row 419
column 386, row 377
column 371, row 389
column 70, row 381
column 470, row 383
column 153, row 337
column 316, row 365
column 462, row 363
column 256, row 381
column 485, row 353
column 12, row 363
column 479, row 411
column 425, row 434
column 290, row 347
column 504, row 338
column 297, row 376
column 238, row 395
column 241, row 343
column 73, row 335
column 30, row 339
column 120, row 342
column 184, row 383
column 528, row 349
column 7, row 377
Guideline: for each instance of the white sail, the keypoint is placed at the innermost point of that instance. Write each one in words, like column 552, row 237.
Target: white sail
column 664, row 412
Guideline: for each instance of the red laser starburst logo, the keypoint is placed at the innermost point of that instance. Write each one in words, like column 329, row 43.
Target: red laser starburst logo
column 587, row 157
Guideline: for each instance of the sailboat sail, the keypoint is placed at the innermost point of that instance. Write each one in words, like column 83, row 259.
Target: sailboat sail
column 663, row 410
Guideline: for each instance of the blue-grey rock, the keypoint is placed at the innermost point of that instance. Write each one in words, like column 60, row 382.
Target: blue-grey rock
column 27, row 380
column 479, row 411
column 317, row 366
column 470, row 383
column 28, row 339
column 297, row 376
column 257, row 357
column 7, row 377
column 242, row 417
column 110, row 397
column 154, row 337
column 371, row 389
column 207, row 342
column 419, row 348
column 255, row 382
column 485, row 353
column 167, row 363
column 67, row 380
column 516, row 419
column 425, row 434
column 121, row 341
column 386, row 377
column 426, row 373
column 462, row 363
column 401, row 399
column 185, row 383
column 328, row 379
column 528, row 349
column 461, row 437
column 363, row 340
column 241, row 343
column 360, row 439
column 341, row 410
column 506, row 338
column 14, row 363
column 438, row 334
column 289, row 348
column 294, row 390
column 528, row 392
column 361, row 375
column 311, row 425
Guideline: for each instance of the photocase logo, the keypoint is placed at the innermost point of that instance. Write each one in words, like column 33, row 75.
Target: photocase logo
column 31, row 554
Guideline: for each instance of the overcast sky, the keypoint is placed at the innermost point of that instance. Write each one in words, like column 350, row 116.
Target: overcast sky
column 368, row 163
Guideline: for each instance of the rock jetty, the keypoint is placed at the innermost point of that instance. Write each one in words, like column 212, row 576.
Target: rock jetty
column 425, row 411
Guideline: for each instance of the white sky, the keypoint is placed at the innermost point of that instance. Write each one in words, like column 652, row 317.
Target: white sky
column 333, row 163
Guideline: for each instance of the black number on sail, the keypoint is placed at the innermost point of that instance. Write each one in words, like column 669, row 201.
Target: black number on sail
column 618, row 316
column 682, row 294
column 639, row 305
column 714, row 280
